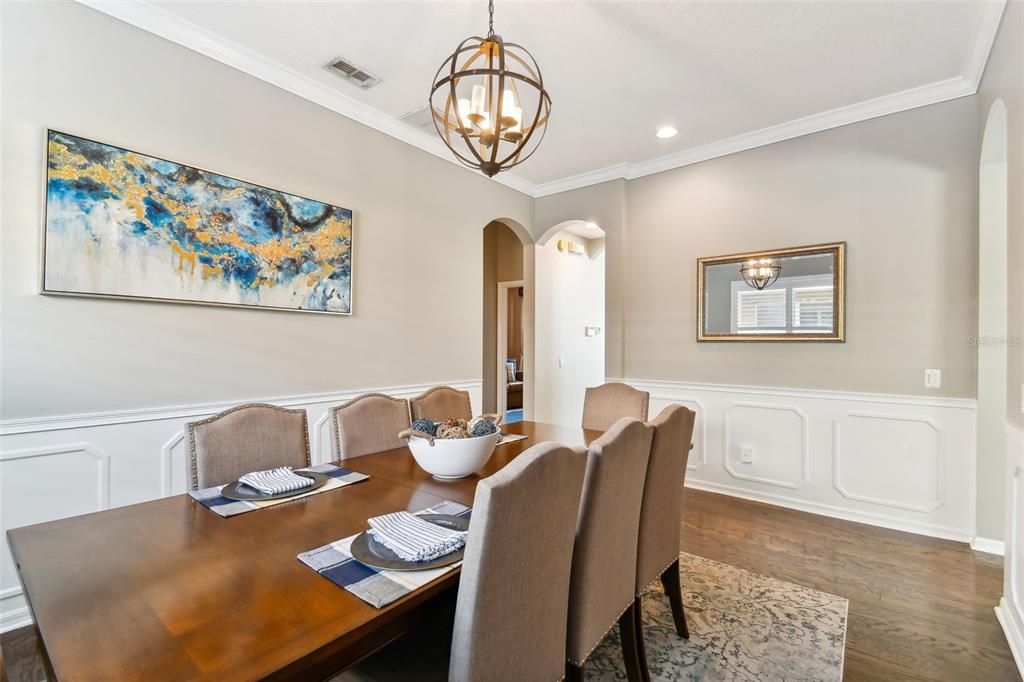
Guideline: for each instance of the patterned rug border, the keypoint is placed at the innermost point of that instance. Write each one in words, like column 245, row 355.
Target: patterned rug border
column 744, row 625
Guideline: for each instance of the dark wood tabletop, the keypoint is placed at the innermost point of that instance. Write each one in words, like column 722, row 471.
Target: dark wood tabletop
column 169, row 590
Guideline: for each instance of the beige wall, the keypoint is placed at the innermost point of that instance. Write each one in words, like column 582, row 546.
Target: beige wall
column 502, row 262
column 901, row 184
column 1004, row 79
column 901, row 190
column 418, row 231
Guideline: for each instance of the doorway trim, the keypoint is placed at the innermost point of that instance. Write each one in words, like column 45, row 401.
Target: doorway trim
column 501, row 354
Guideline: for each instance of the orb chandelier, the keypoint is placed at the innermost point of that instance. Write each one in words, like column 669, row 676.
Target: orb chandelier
column 760, row 273
column 488, row 102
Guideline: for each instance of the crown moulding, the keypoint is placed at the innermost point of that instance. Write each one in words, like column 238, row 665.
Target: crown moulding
column 160, row 22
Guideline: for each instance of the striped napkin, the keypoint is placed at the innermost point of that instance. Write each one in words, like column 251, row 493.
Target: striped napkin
column 376, row 587
column 275, row 481
column 414, row 539
column 222, row 506
column 511, row 438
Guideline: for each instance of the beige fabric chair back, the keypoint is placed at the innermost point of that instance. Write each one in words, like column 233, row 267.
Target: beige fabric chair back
column 369, row 423
column 243, row 439
column 662, row 508
column 604, row 557
column 605, row 404
column 441, row 402
column 510, row 618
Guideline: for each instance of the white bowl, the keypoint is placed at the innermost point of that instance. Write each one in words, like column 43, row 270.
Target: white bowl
column 452, row 458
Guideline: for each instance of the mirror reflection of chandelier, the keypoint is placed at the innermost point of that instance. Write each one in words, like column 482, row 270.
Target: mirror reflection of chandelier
column 760, row 273
column 488, row 102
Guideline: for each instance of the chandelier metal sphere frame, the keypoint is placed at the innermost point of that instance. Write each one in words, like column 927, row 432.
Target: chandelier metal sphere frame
column 489, row 104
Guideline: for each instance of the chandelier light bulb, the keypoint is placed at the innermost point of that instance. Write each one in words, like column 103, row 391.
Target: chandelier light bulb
column 478, row 112
column 464, row 108
column 508, row 107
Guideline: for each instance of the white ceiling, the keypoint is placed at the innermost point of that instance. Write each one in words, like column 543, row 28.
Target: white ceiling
column 727, row 75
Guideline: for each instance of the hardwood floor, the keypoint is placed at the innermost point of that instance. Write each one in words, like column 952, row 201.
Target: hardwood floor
column 920, row 608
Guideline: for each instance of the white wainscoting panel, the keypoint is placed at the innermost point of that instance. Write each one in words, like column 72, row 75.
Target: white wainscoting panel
column 902, row 462
column 1010, row 611
column 908, row 449
column 776, row 435
column 56, row 467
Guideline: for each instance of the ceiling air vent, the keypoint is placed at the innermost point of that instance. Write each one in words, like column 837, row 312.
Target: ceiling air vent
column 352, row 73
column 419, row 118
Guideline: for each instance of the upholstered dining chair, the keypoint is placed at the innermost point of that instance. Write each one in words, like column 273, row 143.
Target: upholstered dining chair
column 246, row 438
column 660, row 513
column 510, row 616
column 441, row 402
column 369, row 423
column 605, row 404
column 604, row 555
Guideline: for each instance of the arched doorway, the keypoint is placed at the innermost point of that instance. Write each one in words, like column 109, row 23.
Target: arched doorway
column 992, row 328
column 507, row 339
column 569, row 319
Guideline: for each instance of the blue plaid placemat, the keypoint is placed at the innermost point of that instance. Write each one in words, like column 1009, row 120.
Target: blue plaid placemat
column 218, row 504
column 376, row 587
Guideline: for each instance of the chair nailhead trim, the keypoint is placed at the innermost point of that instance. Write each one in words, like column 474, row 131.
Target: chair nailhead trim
column 660, row 572
column 598, row 642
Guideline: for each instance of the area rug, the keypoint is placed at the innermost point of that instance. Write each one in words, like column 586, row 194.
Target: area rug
column 743, row 626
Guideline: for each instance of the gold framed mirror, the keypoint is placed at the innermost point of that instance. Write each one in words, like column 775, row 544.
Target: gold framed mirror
column 795, row 294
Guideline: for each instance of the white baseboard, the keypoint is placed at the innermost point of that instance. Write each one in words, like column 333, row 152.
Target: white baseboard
column 988, row 545
column 1012, row 630
column 130, row 456
column 14, row 619
column 944, row 533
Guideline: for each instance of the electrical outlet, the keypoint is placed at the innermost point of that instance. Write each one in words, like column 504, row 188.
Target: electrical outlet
column 933, row 378
column 747, row 454
column 561, row 362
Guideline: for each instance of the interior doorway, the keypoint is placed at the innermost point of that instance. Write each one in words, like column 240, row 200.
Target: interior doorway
column 569, row 319
column 507, row 320
column 992, row 339
column 511, row 350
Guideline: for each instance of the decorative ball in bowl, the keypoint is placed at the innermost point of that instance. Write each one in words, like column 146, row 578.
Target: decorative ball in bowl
column 449, row 450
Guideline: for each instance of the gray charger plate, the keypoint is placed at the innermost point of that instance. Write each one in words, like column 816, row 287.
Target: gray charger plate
column 240, row 491
column 368, row 551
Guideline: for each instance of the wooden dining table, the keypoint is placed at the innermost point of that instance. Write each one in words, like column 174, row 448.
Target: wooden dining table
column 169, row 590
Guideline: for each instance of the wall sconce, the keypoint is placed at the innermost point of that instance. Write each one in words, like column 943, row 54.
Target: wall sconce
column 571, row 248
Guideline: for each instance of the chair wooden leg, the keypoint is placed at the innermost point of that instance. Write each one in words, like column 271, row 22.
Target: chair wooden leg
column 627, row 631
column 670, row 581
column 573, row 673
column 641, row 648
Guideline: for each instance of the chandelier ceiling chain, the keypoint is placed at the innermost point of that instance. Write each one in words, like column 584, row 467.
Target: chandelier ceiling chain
column 488, row 102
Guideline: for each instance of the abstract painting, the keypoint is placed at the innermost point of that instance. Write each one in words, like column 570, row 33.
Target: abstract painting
column 123, row 224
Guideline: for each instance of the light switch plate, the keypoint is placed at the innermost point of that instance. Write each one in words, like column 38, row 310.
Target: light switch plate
column 747, row 454
column 933, row 378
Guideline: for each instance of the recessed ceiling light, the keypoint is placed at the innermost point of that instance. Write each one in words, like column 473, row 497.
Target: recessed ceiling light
column 591, row 226
column 666, row 132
